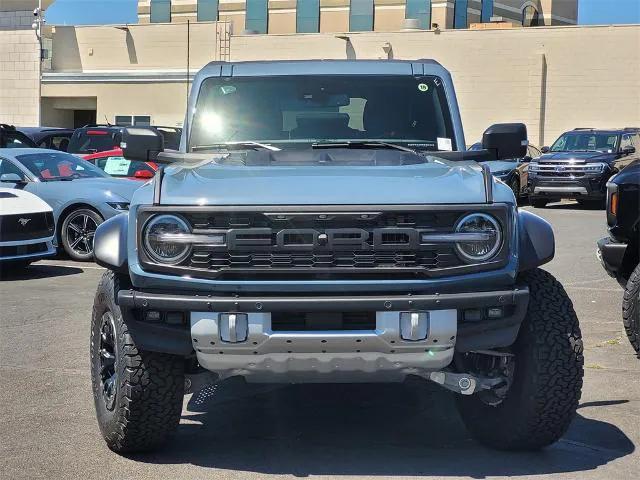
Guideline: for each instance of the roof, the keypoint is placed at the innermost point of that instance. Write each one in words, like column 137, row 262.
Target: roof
column 32, row 130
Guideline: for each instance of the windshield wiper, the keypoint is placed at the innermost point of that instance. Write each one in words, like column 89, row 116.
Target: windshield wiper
column 236, row 146
column 363, row 144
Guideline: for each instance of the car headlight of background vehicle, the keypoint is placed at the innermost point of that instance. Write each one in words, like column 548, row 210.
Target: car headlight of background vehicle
column 485, row 237
column 120, row 206
column 165, row 239
column 595, row 167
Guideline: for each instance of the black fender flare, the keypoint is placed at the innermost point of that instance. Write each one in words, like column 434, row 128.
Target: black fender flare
column 110, row 244
column 536, row 241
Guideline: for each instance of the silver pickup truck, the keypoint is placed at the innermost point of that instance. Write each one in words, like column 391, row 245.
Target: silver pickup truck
column 322, row 222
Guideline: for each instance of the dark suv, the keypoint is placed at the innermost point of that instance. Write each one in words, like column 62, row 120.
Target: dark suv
column 580, row 163
column 620, row 252
column 12, row 138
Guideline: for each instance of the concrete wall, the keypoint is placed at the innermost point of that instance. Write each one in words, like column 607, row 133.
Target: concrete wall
column 19, row 68
column 551, row 78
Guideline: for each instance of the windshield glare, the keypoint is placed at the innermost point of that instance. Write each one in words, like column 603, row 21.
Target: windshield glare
column 586, row 141
column 59, row 166
column 296, row 111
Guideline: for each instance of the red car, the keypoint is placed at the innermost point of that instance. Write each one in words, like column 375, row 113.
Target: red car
column 113, row 163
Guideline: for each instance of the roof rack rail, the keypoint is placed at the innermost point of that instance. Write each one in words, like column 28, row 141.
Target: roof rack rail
column 584, row 128
column 631, row 129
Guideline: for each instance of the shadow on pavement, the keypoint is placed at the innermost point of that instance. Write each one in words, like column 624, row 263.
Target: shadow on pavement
column 36, row 271
column 400, row 430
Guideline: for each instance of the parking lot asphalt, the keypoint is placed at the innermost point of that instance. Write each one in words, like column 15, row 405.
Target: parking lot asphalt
column 48, row 428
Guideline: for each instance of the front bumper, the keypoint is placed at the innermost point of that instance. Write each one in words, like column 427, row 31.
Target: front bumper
column 378, row 354
column 31, row 250
column 611, row 255
column 588, row 186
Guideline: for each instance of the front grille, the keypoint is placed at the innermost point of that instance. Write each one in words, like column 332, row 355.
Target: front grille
column 560, row 170
column 26, row 226
column 19, row 250
column 315, row 321
column 303, row 243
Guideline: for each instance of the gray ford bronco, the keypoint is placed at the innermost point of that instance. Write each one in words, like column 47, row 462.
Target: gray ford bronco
column 322, row 222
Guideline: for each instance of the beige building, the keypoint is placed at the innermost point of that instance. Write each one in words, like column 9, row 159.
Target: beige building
column 19, row 63
column 330, row 16
column 553, row 78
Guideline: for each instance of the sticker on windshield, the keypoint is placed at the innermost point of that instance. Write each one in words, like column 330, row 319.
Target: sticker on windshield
column 117, row 166
column 444, row 144
column 423, row 87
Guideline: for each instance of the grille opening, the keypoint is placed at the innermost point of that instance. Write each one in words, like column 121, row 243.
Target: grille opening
column 316, row 321
column 298, row 239
column 395, row 238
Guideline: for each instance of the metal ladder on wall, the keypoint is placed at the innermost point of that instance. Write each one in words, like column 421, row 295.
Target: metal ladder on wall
column 223, row 40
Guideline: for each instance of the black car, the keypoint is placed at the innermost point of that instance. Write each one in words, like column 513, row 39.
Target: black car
column 94, row 139
column 49, row 137
column 512, row 172
column 620, row 252
column 12, row 138
column 580, row 163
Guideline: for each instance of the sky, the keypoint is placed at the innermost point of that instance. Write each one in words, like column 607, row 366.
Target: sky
column 76, row 12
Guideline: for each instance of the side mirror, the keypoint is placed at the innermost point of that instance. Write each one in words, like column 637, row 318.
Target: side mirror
column 12, row 178
column 628, row 150
column 506, row 140
column 143, row 144
column 143, row 174
column 545, row 149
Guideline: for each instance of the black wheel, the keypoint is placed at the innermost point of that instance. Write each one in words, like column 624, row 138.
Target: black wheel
column 631, row 309
column 77, row 232
column 545, row 375
column 138, row 394
column 514, row 184
column 539, row 202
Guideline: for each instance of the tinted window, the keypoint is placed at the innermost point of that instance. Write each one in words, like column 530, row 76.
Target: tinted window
column 121, row 167
column 421, row 11
column 58, row 165
column 160, row 11
column 586, row 141
column 13, row 139
column 92, row 141
column 530, row 17
column 298, row 109
column 308, row 16
column 361, row 16
column 487, row 11
column 207, row 10
column 256, row 18
column 460, row 15
column 8, row 167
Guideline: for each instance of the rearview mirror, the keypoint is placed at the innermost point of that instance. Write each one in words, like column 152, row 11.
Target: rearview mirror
column 143, row 144
column 506, row 140
column 545, row 149
column 11, row 178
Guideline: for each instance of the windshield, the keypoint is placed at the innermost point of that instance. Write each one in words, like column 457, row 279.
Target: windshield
column 59, row 166
column 586, row 142
column 296, row 111
column 92, row 141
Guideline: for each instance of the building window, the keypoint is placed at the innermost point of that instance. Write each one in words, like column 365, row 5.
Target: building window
column 207, row 10
column 419, row 10
column 487, row 11
column 160, row 11
column 460, row 14
column 131, row 120
column 257, row 15
column 361, row 16
column 308, row 16
column 530, row 17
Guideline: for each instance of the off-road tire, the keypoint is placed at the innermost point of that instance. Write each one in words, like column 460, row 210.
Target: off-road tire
column 149, row 386
column 631, row 309
column 539, row 202
column 547, row 384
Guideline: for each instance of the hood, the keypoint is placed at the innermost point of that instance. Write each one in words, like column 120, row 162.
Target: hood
column 578, row 157
column 501, row 165
column 18, row 202
column 433, row 181
column 99, row 189
column 115, row 186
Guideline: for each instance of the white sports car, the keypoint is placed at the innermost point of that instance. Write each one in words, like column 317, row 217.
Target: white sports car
column 26, row 228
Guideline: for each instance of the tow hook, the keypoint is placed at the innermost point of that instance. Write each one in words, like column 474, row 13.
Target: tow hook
column 464, row 383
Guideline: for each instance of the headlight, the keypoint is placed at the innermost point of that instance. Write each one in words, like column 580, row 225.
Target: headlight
column 120, row 206
column 479, row 247
column 595, row 167
column 162, row 237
